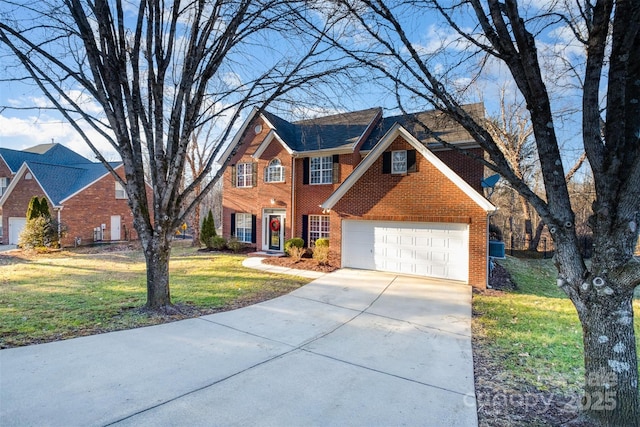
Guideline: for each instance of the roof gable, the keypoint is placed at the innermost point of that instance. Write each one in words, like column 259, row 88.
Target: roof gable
column 14, row 158
column 395, row 131
column 59, row 171
column 436, row 121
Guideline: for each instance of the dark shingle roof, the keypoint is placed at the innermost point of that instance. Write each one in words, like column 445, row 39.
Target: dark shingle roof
column 342, row 131
column 60, row 171
column 436, row 121
column 324, row 133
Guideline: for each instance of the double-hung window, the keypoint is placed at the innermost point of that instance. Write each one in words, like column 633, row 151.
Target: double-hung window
column 4, row 183
column 243, row 227
column 399, row 161
column 318, row 227
column 244, row 174
column 321, row 170
column 274, row 172
column 120, row 193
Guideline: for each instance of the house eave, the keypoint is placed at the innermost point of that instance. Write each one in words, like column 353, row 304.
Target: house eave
column 385, row 141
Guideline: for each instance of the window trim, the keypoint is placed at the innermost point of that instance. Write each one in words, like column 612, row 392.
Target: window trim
column 322, row 232
column 247, row 174
column 242, row 218
column 4, row 184
column 273, row 166
column 325, row 173
column 120, row 188
column 404, row 162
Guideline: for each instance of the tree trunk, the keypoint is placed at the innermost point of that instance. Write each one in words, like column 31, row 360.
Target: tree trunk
column 611, row 365
column 157, row 254
column 195, row 225
column 535, row 241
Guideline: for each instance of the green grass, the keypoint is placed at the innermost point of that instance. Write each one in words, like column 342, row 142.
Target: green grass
column 66, row 294
column 535, row 331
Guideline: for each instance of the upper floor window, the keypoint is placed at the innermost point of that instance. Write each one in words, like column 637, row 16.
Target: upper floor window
column 321, row 170
column 399, row 161
column 244, row 175
column 4, row 183
column 274, row 172
column 120, row 193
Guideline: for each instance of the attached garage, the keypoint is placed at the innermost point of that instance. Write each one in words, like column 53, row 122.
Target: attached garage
column 420, row 248
column 15, row 228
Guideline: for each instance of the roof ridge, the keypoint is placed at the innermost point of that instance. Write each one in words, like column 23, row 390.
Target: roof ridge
column 346, row 113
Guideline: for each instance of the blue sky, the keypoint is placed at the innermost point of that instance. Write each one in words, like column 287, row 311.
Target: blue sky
column 20, row 128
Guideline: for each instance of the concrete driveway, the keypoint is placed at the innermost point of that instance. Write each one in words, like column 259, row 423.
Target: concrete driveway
column 351, row 348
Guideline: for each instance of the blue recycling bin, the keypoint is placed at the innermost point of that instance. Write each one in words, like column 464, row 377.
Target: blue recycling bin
column 496, row 249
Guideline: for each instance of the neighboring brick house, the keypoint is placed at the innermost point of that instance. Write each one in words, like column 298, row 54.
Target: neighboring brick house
column 387, row 195
column 82, row 195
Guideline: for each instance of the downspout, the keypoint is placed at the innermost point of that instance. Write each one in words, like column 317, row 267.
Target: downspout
column 59, row 227
column 293, row 197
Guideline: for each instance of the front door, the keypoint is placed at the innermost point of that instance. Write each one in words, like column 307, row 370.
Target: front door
column 275, row 232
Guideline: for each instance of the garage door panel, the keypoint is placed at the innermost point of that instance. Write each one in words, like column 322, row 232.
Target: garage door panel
column 426, row 249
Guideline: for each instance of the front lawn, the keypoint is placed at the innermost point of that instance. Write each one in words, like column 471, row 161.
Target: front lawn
column 71, row 293
column 530, row 343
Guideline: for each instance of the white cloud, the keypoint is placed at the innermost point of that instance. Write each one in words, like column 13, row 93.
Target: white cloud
column 18, row 133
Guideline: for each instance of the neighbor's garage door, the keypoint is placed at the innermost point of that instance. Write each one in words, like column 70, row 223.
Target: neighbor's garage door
column 15, row 228
column 425, row 249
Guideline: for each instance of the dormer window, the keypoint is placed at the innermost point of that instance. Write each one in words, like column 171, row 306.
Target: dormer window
column 274, row 172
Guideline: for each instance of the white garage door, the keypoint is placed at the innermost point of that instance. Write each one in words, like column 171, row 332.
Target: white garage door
column 419, row 248
column 15, row 228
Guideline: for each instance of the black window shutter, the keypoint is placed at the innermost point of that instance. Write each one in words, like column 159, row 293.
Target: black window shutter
column 336, row 169
column 386, row 162
column 234, row 175
column 233, row 224
column 254, row 175
column 305, row 170
column 305, row 230
column 253, row 228
column 411, row 161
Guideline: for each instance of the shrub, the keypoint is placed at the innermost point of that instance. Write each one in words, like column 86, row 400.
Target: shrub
column 295, row 242
column 296, row 253
column 40, row 232
column 208, row 230
column 218, row 243
column 235, row 245
column 321, row 251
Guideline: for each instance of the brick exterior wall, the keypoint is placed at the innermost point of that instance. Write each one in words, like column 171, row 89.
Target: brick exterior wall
column 310, row 196
column 465, row 166
column 4, row 173
column 16, row 205
column 253, row 200
column 93, row 207
column 90, row 208
column 424, row 196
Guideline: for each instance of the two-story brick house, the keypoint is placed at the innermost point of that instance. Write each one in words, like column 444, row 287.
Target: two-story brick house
column 385, row 193
column 82, row 195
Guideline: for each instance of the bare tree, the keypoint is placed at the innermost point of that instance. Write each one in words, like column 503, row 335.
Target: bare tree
column 197, row 154
column 604, row 36
column 158, row 71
